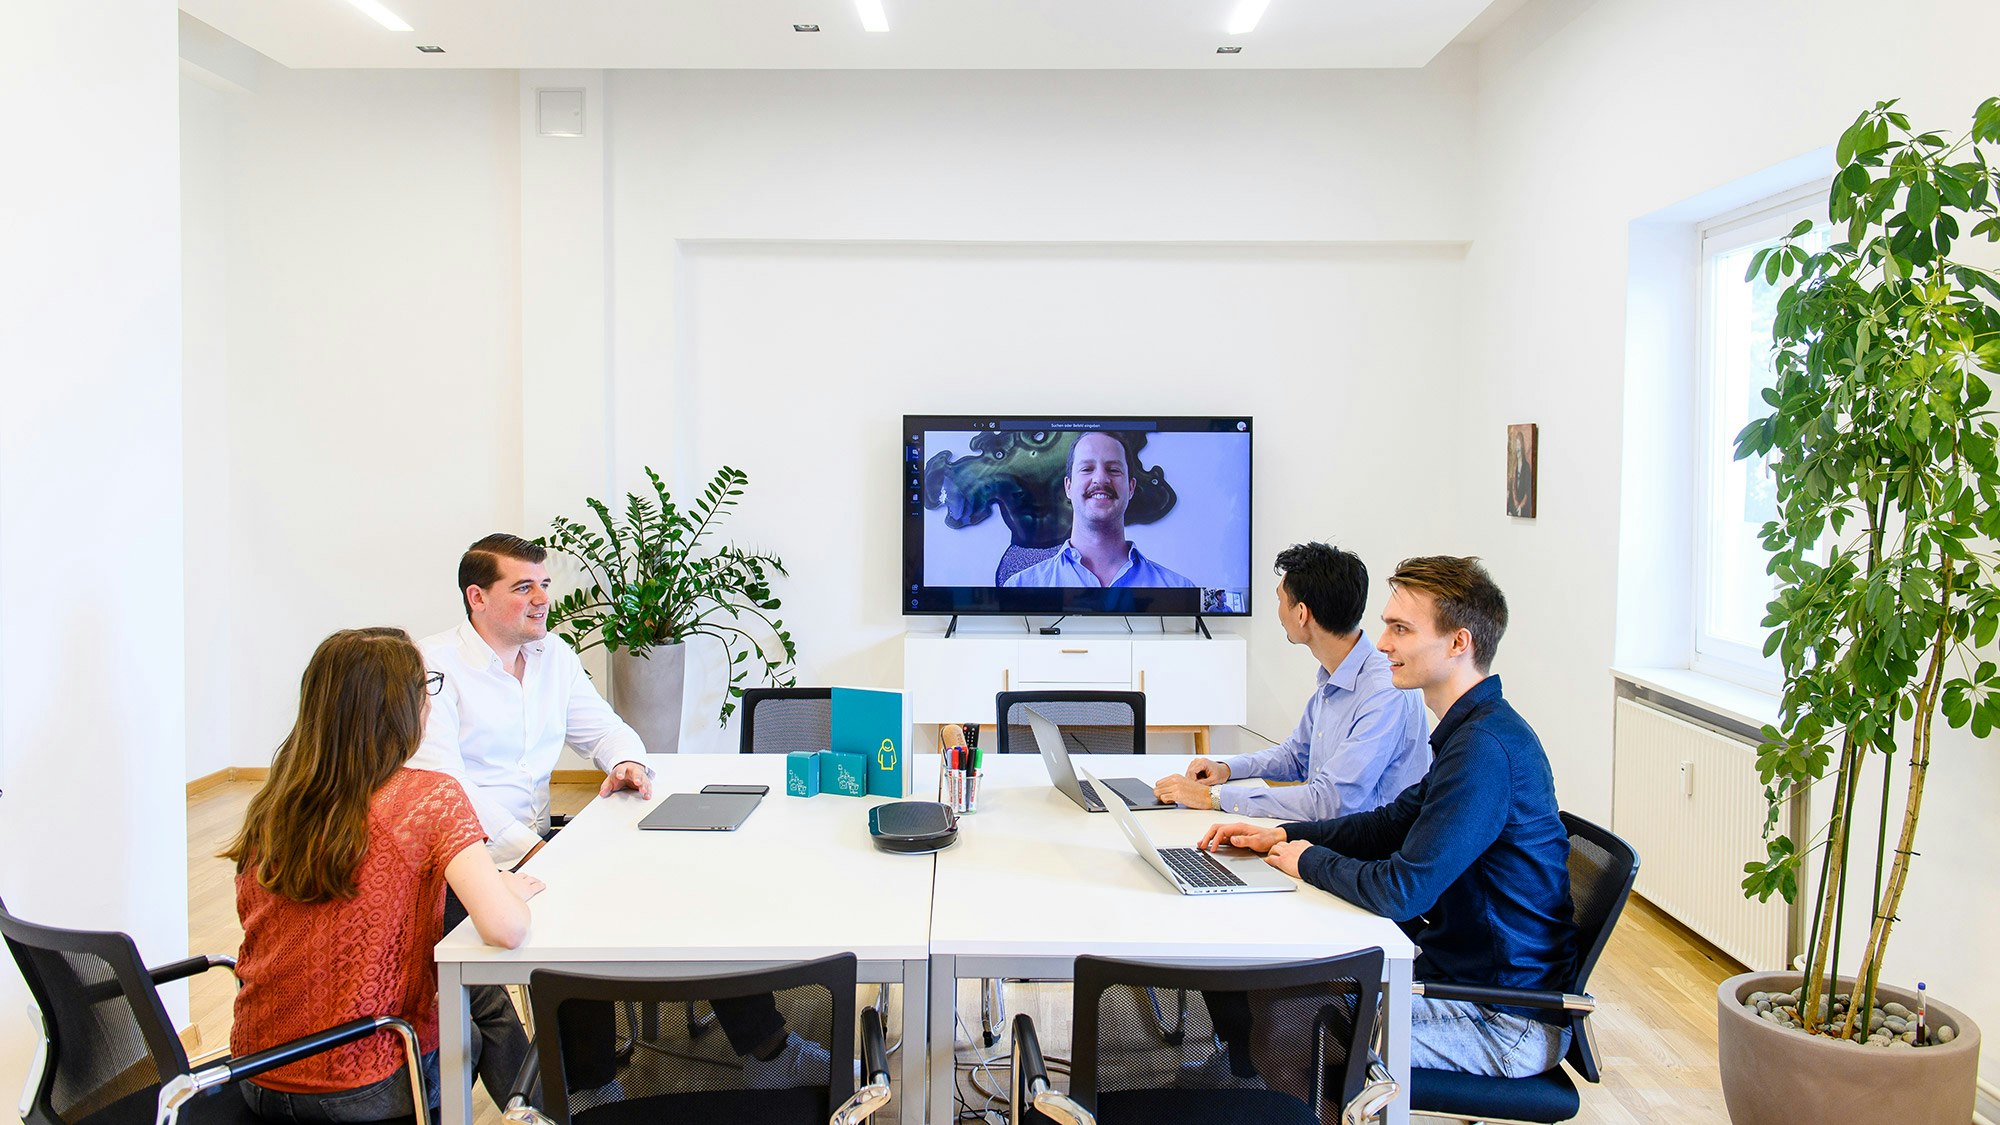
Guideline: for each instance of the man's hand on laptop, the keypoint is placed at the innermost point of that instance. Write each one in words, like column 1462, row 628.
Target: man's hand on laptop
column 627, row 775
column 1207, row 772
column 1285, row 856
column 1183, row 791
column 1240, row 835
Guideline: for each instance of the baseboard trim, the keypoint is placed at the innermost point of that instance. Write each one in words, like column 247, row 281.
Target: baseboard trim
column 207, row 782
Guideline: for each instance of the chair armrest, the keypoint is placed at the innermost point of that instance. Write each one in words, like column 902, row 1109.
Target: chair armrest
column 1031, row 1082
column 1375, row 1095
column 271, row 1058
column 874, row 1048
column 874, row 1092
column 522, row 1094
column 177, row 1092
column 182, row 969
column 1541, row 999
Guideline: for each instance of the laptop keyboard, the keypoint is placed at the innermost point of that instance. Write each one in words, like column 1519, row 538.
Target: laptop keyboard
column 1090, row 795
column 1198, row 868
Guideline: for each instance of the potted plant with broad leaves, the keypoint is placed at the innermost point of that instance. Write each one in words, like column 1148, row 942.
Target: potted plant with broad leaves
column 651, row 583
column 1881, row 447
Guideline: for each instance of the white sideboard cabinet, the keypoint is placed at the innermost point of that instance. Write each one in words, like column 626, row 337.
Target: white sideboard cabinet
column 1191, row 682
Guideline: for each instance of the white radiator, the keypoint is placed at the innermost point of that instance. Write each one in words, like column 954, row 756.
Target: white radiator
column 1687, row 797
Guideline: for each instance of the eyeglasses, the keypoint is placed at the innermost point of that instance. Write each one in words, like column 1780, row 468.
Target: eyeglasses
column 433, row 682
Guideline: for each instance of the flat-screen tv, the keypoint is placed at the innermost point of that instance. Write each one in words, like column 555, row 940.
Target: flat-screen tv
column 1069, row 514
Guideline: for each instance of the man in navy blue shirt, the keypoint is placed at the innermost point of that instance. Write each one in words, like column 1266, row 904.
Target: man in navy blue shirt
column 1472, row 861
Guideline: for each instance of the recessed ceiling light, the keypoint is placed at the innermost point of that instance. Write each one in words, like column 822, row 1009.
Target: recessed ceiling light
column 873, row 18
column 1229, row 50
column 1244, row 20
column 375, row 11
column 805, row 27
column 431, row 50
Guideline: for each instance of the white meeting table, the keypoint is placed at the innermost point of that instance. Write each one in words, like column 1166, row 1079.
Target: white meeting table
column 1033, row 881
column 799, row 880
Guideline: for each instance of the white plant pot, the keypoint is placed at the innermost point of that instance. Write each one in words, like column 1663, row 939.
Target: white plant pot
column 648, row 691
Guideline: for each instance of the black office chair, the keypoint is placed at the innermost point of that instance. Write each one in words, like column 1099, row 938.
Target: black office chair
column 1601, row 869
column 110, row 1056
column 1092, row 722
column 1310, row 1026
column 781, row 720
column 706, row 1083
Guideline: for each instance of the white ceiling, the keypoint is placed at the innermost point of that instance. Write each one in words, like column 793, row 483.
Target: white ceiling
column 923, row 34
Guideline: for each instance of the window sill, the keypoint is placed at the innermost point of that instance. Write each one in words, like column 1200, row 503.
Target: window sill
column 1745, row 706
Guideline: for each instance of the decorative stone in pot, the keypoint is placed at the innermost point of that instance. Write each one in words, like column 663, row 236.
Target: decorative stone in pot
column 1775, row 1075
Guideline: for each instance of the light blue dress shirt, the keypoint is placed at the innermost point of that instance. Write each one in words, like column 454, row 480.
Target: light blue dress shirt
column 1361, row 743
column 1065, row 569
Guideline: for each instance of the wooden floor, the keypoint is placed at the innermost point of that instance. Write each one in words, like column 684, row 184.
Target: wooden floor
column 1655, row 987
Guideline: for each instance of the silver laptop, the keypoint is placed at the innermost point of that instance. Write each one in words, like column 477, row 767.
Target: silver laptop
column 702, row 812
column 1137, row 794
column 1196, row 872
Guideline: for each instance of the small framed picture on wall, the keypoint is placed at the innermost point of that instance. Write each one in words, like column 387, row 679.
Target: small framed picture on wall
column 1521, row 470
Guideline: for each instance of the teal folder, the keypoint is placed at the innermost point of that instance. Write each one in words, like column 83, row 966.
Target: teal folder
column 870, row 723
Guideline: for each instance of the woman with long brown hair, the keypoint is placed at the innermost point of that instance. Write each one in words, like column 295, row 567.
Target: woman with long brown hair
column 341, row 871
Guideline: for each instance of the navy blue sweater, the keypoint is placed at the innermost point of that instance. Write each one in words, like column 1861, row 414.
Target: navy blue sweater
column 1472, row 861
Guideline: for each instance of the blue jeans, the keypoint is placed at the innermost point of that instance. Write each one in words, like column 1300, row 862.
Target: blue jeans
column 377, row 1101
column 1475, row 1039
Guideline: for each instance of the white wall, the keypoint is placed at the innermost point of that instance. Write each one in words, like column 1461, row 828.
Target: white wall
column 1592, row 116
column 370, row 402
column 800, row 258
column 1286, row 243
column 91, row 661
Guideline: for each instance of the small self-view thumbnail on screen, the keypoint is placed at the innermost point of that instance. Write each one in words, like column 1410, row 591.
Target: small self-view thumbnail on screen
column 1083, row 504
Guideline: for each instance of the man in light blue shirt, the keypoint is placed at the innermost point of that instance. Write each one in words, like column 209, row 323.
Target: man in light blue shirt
column 1099, row 483
column 1362, row 740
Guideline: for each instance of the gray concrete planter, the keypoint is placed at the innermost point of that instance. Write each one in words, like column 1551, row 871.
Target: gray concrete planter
column 1774, row 1075
column 648, row 692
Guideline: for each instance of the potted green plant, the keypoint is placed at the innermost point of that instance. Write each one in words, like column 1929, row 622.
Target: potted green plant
column 1882, row 450
column 650, row 583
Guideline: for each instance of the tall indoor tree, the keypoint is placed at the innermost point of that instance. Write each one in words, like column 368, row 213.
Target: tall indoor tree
column 1881, row 447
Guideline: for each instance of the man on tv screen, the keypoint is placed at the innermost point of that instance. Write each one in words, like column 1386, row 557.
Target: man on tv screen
column 1099, row 483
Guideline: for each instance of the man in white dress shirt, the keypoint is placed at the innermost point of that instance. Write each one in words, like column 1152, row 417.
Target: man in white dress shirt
column 513, row 697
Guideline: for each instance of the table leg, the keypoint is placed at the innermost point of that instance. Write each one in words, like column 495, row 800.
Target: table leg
column 454, row 1047
column 913, row 1061
column 943, row 1077
column 1201, row 742
column 1397, row 1013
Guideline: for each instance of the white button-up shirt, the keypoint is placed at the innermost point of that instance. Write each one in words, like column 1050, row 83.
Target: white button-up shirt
column 500, row 737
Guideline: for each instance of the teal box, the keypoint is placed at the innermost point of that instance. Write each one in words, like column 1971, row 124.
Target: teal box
column 802, row 773
column 843, row 773
column 870, row 723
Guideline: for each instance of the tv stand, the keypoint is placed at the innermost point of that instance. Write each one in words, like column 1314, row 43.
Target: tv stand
column 1189, row 680
column 951, row 628
column 1201, row 628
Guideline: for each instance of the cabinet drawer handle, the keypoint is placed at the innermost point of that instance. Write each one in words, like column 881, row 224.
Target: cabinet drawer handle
column 1076, row 650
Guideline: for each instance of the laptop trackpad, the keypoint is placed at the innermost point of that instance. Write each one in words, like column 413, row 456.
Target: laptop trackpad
column 1137, row 794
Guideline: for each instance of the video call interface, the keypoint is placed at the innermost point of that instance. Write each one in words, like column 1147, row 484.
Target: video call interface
column 1028, row 515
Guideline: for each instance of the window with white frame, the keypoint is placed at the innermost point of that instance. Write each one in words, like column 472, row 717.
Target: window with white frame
column 1734, row 499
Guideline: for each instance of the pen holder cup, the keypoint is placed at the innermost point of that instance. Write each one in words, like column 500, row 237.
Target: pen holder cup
column 958, row 790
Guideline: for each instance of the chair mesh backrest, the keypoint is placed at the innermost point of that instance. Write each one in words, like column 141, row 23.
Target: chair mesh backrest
column 782, row 723
column 1106, row 723
column 1126, row 1014
column 672, row 1060
column 1601, row 869
column 100, row 1049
